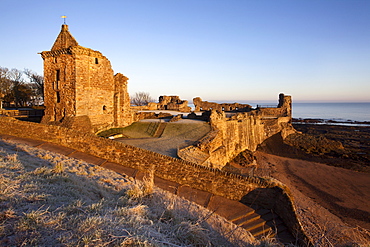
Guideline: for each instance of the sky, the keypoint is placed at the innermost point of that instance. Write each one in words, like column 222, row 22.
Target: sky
column 220, row 50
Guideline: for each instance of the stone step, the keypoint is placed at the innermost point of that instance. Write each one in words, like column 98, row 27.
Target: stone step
column 262, row 231
column 241, row 214
column 247, row 219
column 253, row 224
column 160, row 130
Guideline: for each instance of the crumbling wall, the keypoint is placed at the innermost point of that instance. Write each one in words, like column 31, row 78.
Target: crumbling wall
column 283, row 109
column 242, row 131
column 208, row 106
column 170, row 103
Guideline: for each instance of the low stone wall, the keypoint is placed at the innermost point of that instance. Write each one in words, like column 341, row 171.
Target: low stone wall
column 228, row 185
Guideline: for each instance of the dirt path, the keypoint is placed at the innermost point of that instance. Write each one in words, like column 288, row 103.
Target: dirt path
column 343, row 192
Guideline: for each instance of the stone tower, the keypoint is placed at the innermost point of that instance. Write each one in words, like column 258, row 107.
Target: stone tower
column 81, row 90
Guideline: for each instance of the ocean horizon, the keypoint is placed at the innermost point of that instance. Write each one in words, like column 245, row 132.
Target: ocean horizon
column 329, row 111
column 332, row 111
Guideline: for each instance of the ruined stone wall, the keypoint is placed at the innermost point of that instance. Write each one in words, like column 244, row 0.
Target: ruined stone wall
column 123, row 114
column 94, row 87
column 208, row 106
column 170, row 103
column 59, row 85
column 239, row 132
column 283, row 109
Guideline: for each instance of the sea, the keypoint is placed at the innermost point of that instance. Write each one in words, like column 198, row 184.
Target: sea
column 359, row 112
column 332, row 111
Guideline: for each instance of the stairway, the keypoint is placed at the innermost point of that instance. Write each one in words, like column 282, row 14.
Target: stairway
column 258, row 221
column 262, row 222
column 158, row 133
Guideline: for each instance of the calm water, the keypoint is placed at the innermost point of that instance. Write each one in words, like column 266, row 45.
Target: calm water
column 329, row 111
column 335, row 111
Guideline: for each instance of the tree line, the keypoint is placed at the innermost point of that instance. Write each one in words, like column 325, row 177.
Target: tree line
column 21, row 88
column 25, row 88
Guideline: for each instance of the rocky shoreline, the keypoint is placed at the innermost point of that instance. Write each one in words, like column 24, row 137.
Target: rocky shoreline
column 328, row 121
column 354, row 138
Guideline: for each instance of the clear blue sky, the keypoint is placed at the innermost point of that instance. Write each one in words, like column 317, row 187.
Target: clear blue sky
column 225, row 50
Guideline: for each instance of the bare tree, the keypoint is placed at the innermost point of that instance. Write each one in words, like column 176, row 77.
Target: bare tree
column 37, row 84
column 17, row 87
column 141, row 98
column 5, row 83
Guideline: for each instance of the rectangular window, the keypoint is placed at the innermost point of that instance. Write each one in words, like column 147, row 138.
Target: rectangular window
column 57, row 75
column 58, row 97
column 96, row 60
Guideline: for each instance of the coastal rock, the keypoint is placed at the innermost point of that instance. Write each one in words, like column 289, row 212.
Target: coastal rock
column 313, row 144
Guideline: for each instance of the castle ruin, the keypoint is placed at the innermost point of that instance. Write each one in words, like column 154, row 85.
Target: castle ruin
column 238, row 131
column 81, row 89
column 173, row 103
column 81, row 92
column 208, row 106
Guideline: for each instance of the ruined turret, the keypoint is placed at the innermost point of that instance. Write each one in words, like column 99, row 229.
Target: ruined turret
column 80, row 84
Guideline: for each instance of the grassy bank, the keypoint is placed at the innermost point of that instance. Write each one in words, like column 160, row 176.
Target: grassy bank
column 48, row 199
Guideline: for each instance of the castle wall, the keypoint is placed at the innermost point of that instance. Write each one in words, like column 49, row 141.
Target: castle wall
column 95, row 88
column 241, row 131
column 208, row 106
column 123, row 114
column 59, row 86
column 170, row 103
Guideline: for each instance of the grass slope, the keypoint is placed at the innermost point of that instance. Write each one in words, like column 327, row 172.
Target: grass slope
column 47, row 199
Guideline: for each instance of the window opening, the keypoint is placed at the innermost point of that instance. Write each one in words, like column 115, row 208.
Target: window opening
column 58, row 97
column 96, row 60
column 57, row 79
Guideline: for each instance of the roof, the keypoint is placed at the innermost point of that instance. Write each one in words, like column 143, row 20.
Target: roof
column 64, row 39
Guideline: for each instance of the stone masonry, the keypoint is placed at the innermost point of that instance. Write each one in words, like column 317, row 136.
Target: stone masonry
column 208, row 106
column 79, row 82
column 170, row 103
column 241, row 131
